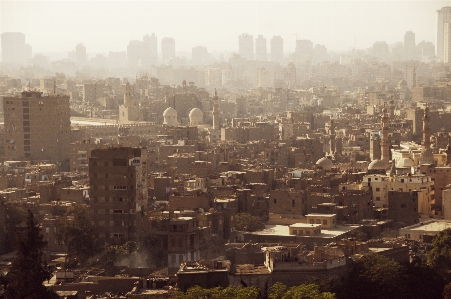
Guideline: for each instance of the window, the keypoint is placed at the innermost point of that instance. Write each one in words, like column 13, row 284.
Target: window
column 312, row 221
column 275, row 200
column 325, row 221
column 295, row 232
column 378, row 189
column 120, row 187
column 318, row 221
column 378, row 198
column 301, row 232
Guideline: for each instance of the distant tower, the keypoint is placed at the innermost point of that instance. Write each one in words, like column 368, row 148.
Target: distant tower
column 443, row 17
column 409, row 46
column 216, row 123
column 332, row 137
column 385, row 141
column 276, row 49
column 392, row 107
column 128, row 98
column 246, row 46
column 261, row 53
column 167, row 48
column 80, row 54
column 414, row 77
column 426, row 153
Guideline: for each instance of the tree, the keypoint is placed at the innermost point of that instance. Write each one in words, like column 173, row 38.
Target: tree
column 375, row 276
column 307, row 291
column 77, row 235
column 28, row 271
column 277, row 290
column 439, row 257
column 245, row 221
column 14, row 216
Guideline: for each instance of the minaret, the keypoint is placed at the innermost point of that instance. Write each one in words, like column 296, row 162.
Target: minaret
column 128, row 100
column 448, row 152
column 216, row 123
column 426, row 152
column 392, row 107
column 332, row 137
column 426, row 142
column 385, row 141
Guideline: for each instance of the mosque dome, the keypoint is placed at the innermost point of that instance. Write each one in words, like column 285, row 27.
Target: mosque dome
column 196, row 117
column 170, row 117
column 324, row 163
column 404, row 163
column 377, row 165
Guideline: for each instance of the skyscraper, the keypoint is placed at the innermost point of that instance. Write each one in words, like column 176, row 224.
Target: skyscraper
column 80, row 54
column 261, row 53
column 246, row 46
column 447, row 42
column 409, row 46
column 150, row 49
column 304, row 50
column 199, row 55
column 37, row 128
column 443, row 16
column 277, row 49
column 167, row 49
column 14, row 48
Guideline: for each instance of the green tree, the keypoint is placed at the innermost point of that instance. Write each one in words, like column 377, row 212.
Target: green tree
column 375, row 277
column 14, row 216
column 245, row 221
column 77, row 235
column 307, row 291
column 28, row 271
column 439, row 256
column 277, row 290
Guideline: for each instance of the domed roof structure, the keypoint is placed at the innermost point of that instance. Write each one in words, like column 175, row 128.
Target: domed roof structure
column 324, row 163
column 170, row 117
column 402, row 83
column 196, row 117
column 377, row 165
column 404, row 163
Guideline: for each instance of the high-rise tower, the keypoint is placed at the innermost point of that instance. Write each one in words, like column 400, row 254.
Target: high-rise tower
column 409, row 46
column 277, row 49
column 246, row 46
column 332, row 137
column 261, row 53
column 167, row 49
column 426, row 153
column 443, row 16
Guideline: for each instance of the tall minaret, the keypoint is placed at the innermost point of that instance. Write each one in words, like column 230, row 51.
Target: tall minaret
column 392, row 107
column 448, row 152
column 128, row 99
column 426, row 153
column 426, row 142
column 385, row 141
column 332, row 137
column 216, row 123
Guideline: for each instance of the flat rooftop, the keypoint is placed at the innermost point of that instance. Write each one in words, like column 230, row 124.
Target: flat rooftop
column 283, row 230
column 432, row 226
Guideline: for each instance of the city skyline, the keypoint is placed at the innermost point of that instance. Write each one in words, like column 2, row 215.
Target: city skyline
column 338, row 25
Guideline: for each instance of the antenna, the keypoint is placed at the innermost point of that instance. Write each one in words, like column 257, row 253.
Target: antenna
column 54, row 87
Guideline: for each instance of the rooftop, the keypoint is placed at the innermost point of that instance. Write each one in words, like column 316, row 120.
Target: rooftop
column 283, row 230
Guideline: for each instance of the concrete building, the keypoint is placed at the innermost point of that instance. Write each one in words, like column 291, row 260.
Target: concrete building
column 246, row 46
column 199, row 55
column 403, row 206
column 80, row 54
column 409, row 46
column 443, row 16
column 167, row 49
column 129, row 111
column 37, row 128
column 261, row 52
column 14, row 49
column 424, row 231
column 276, row 51
column 118, row 192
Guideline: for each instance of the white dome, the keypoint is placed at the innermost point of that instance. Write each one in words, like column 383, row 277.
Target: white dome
column 196, row 117
column 377, row 165
column 324, row 163
column 170, row 112
column 404, row 163
column 170, row 117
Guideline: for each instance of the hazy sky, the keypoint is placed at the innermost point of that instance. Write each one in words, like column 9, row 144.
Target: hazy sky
column 57, row 26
